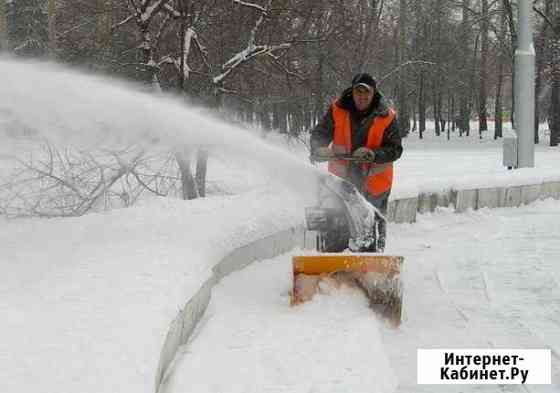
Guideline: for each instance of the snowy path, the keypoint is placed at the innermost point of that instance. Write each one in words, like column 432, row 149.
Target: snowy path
column 252, row 341
column 482, row 279
column 479, row 280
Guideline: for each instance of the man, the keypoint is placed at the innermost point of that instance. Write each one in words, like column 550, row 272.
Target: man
column 359, row 123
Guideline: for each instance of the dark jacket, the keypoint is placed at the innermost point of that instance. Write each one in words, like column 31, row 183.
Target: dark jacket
column 391, row 146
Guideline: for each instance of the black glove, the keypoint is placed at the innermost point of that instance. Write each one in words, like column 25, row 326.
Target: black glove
column 364, row 153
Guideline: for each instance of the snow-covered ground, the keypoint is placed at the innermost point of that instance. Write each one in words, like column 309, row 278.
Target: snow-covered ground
column 256, row 342
column 484, row 279
column 434, row 164
column 86, row 302
column 488, row 278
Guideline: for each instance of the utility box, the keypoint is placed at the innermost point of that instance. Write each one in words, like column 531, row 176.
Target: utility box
column 510, row 149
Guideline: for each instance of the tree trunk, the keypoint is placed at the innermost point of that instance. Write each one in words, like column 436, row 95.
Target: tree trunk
column 51, row 14
column 465, row 89
column 441, row 117
column 437, row 110
column 319, row 94
column 538, row 86
column 482, row 98
column 103, row 26
column 4, row 44
column 554, row 114
column 554, row 111
column 264, row 115
column 182, row 44
column 472, row 91
column 147, row 73
column 421, row 106
column 513, row 34
column 451, row 111
column 554, row 43
column 189, row 186
column 439, row 79
column 201, row 168
column 402, row 96
column 282, row 118
column 498, row 110
column 279, row 117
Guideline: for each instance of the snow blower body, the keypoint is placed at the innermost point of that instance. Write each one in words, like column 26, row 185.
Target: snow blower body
column 345, row 220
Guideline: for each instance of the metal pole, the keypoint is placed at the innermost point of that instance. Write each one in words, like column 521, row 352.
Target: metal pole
column 525, row 87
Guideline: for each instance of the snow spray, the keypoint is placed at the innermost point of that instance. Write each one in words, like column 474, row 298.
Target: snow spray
column 85, row 111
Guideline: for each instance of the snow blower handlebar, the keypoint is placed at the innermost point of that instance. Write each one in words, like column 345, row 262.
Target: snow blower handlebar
column 341, row 157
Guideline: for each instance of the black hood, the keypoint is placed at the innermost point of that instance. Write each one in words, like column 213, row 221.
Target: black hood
column 378, row 105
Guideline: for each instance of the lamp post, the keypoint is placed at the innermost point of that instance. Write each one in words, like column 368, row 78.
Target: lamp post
column 525, row 88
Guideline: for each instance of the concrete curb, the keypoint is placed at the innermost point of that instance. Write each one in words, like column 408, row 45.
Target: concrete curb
column 405, row 210
column 184, row 324
column 400, row 211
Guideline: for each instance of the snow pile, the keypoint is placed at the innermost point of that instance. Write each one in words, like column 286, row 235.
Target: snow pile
column 86, row 302
column 252, row 341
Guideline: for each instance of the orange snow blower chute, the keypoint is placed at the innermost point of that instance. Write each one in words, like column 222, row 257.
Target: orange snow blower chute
column 343, row 221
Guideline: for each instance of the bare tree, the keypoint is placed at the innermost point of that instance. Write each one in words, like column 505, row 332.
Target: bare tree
column 483, row 80
column 51, row 15
column 103, row 24
column 501, row 62
column 464, row 87
column 57, row 182
column 151, row 24
column 551, row 17
column 3, row 26
column 508, row 10
column 402, row 91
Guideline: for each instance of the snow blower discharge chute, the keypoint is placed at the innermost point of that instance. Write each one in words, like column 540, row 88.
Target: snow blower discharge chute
column 345, row 220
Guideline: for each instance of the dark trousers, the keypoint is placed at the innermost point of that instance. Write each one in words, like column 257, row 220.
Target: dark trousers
column 381, row 202
column 336, row 238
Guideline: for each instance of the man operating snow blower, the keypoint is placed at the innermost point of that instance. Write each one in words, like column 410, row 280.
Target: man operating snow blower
column 361, row 130
column 360, row 139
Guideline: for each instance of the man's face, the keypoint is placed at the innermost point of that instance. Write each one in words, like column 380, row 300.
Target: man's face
column 362, row 97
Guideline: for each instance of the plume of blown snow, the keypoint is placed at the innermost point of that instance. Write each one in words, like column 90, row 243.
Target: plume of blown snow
column 74, row 108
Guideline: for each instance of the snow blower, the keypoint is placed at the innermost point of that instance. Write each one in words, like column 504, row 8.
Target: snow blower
column 345, row 220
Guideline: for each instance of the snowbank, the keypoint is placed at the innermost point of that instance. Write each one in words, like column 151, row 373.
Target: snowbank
column 86, row 302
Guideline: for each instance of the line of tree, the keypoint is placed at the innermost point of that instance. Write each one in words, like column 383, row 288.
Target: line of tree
column 279, row 63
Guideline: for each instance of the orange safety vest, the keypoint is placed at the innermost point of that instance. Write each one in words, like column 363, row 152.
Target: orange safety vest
column 380, row 176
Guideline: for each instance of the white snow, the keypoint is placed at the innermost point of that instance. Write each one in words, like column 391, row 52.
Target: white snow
column 484, row 279
column 86, row 302
column 260, row 344
column 436, row 164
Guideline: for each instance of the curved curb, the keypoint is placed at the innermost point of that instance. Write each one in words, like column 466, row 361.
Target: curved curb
column 184, row 324
column 405, row 210
column 400, row 211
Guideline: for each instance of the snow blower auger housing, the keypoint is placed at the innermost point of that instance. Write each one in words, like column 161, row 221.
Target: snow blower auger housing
column 378, row 276
column 345, row 220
